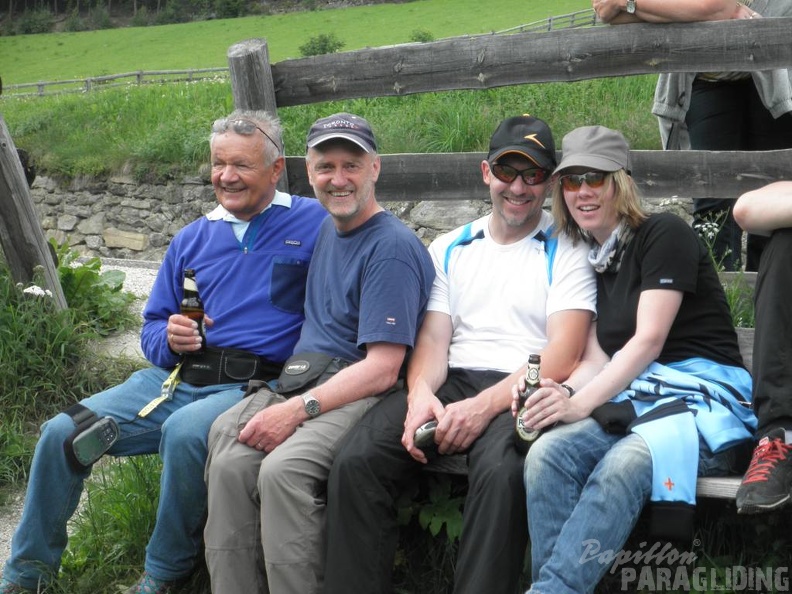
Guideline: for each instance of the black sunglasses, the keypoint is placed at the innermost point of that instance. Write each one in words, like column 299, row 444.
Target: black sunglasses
column 241, row 126
column 531, row 176
column 594, row 179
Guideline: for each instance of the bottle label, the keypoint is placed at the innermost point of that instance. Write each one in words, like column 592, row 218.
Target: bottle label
column 523, row 432
column 532, row 375
column 190, row 285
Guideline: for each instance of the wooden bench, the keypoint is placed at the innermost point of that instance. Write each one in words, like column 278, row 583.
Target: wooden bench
column 712, row 487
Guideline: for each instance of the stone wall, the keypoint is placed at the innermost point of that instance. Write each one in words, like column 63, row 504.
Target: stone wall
column 120, row 218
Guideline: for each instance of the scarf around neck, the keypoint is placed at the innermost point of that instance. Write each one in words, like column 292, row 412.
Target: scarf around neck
column 608, row 256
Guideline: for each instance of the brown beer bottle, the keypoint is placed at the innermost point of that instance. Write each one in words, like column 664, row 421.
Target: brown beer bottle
column 191, row 304
column 523, row 436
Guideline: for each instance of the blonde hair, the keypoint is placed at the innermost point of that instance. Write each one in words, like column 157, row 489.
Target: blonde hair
column 626, row 200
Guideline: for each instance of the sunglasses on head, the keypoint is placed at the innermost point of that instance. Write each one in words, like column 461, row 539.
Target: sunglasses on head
column 241, row 126
column 593, row 179
column 531, row 176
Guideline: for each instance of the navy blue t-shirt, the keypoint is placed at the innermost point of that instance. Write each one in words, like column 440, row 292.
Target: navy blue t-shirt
column 369, row 285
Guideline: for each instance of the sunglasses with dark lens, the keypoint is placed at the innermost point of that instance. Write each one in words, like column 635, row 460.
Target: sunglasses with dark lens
column 241, row 126
column 531, row 176
column 594, row 179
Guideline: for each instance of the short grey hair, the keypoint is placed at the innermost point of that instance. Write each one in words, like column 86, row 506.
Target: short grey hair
column 257, row 121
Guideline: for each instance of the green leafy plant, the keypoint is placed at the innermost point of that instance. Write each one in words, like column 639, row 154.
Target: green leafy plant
column 48, row 361
column 739, row 293
column 421, row 36
column 443, row 509
column 96, row 297
column 324, row 43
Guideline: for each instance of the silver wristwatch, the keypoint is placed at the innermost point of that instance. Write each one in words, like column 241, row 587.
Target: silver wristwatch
column 312, row 405
column 631, row 6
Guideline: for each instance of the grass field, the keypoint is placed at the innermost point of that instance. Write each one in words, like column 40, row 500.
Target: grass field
column 159, row 131
column 63, row 56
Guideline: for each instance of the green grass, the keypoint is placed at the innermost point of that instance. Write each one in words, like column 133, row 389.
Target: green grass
column 161, row 131
column 158, row 132
column 63, row 56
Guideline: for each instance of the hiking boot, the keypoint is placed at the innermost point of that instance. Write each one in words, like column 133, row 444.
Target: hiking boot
column 7, row 587
column 767, row 485
column 147, row 584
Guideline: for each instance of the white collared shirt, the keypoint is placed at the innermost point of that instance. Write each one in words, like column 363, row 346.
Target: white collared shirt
column 219, row 213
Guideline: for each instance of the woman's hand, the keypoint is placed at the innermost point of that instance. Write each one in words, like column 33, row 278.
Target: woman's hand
column 550, row 404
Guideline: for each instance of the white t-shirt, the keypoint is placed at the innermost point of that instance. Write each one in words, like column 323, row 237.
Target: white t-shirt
column 500, row 296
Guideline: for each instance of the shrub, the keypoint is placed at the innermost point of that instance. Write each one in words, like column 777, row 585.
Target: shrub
column 142, row 18
column 421, row 36
column 35, row 21
column 324, row 43
column 74, row 23
column 229, row 9
column 99, row 18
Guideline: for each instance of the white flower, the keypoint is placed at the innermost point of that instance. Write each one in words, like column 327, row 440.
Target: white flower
column 37, row 291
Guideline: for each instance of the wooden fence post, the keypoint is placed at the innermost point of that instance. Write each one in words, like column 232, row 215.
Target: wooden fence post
column 21, row 236
column 251, row 82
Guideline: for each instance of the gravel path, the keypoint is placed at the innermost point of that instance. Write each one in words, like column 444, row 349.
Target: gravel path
column 139, row 278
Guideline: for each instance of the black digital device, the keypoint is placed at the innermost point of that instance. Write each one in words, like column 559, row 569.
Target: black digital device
column 424, row 435
column 91, row 438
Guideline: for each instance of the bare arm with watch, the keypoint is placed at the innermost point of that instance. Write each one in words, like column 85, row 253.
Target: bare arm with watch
column 373, row 375
column 618, row 12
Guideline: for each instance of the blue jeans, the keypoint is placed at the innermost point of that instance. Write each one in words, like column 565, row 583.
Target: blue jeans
column 586, row 488
column 177, row 429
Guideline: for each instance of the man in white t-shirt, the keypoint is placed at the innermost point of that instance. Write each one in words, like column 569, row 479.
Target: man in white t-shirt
column 505, row 287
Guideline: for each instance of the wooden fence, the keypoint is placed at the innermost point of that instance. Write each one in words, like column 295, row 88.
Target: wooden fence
column 86, row 85
column 483, row 62
column 486, row 61
column 581, row 18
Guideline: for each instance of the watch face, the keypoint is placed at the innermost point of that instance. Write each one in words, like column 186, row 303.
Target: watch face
column 311, row 406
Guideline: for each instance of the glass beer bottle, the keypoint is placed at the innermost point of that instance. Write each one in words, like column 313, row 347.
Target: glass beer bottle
column 191, row 304
column 523, row 436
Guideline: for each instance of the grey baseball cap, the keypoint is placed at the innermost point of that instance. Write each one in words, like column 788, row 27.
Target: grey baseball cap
column 595, row 147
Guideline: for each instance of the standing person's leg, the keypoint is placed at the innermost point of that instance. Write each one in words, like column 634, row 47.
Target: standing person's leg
column 765, row 133
column 292, row 486
column 231, row 535
column 767, row 484
column 772, row 356
column 54, row 486
column 369, row 472
column 584, row 487
column 715, row 122
column 175, row 544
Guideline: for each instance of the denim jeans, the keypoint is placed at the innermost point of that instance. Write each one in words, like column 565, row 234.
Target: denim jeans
column 586, row 488
column 177, row 429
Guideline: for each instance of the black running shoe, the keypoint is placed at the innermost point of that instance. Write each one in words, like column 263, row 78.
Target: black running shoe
column 767, row 485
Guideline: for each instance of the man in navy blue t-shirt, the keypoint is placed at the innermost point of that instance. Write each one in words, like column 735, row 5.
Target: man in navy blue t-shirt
column 269, row 456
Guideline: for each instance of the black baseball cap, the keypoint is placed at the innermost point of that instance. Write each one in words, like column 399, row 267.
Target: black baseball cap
column 343, row 125
column 527, row 136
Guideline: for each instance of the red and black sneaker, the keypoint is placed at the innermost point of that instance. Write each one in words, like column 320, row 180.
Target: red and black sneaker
column 767, row 485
